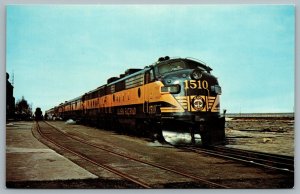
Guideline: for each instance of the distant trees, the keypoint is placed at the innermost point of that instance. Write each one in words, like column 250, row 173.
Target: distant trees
column 23, row 110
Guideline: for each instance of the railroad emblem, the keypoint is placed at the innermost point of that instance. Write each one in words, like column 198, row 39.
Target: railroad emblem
column 198, row 103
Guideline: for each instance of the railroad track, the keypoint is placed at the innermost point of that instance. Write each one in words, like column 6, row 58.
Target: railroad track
column 271, row 161
column 51, row 134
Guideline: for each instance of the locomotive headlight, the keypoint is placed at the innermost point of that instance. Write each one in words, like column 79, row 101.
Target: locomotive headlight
column 217, row 89
column 173, row 89
column 196, row 74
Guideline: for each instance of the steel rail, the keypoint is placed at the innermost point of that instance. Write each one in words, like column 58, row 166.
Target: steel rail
column 119, row 173
column 142, row 161
column 238, row 158
column 288, row 159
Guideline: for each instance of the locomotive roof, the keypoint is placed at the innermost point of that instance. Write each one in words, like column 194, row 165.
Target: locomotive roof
column 129, row 76
column 199, row 62
column 72, row 100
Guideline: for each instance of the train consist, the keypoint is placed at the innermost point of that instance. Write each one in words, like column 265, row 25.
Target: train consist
column 179, row 94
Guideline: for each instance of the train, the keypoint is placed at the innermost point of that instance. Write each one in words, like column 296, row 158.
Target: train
column 180, row 94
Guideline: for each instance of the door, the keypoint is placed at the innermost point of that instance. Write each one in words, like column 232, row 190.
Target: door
column 146, row 92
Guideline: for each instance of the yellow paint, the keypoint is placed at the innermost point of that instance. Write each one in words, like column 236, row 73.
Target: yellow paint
column 211, row 103
column 149, row 93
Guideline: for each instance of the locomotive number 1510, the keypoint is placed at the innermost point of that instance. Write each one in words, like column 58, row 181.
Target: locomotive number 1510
column 194, row 84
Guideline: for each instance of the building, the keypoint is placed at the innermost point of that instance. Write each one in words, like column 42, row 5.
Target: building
column 10, row 100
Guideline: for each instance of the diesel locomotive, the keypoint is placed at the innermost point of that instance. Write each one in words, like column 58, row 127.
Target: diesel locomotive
column 178, row 94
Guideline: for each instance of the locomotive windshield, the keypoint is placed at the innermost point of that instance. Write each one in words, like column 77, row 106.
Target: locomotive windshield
column 168, row 67
column 178, row 65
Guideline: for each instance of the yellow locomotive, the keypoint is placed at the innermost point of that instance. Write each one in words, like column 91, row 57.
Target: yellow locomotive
column 178, row 94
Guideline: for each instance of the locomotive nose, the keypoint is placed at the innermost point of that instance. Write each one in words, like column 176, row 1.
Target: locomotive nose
column 202, row 83
column 201, row 92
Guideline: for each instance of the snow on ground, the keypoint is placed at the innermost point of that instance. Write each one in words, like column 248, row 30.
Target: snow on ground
column 158, row 144
column 176, row 138
column 70, row 122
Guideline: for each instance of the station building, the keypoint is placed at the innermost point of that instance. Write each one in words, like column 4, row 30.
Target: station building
column 10, row 100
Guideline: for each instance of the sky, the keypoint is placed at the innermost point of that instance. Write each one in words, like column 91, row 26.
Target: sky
column 57, row 53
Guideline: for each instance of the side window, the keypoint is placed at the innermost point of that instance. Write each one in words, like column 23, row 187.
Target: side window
column 151, row 75
column 112, row 88
column 147, row 77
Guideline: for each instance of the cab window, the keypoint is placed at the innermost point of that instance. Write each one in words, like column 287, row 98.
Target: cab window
column 151, row 75
column 168, row 67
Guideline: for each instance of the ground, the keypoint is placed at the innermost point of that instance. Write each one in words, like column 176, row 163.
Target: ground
column 271, row 136
column 22, row 151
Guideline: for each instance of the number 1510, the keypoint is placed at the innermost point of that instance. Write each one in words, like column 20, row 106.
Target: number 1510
column 195, row 84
